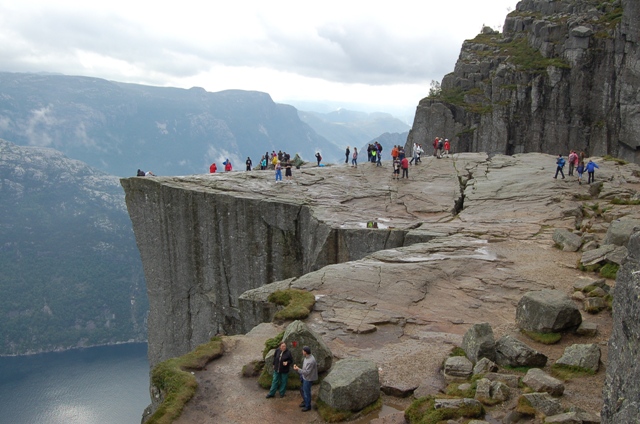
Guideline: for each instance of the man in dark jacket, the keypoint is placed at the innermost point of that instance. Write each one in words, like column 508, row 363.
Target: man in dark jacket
column 282, row 360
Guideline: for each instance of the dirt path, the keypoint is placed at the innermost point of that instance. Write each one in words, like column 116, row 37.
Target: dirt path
column 225, row 397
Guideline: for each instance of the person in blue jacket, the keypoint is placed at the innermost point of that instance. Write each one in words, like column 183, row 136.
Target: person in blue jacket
column 560, row 162
column 591, row 168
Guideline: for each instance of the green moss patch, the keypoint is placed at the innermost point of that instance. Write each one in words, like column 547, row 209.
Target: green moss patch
column 178, row 385
column 421, row 411
column 544, row 338
column 609, row 270
column 524, row 407
column 618, row 201
column 297, row 304
column 568, row 372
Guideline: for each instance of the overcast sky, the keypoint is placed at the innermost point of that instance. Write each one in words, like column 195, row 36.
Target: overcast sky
column 380, row 53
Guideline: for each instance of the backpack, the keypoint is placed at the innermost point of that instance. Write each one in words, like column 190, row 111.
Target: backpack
column 561, row 162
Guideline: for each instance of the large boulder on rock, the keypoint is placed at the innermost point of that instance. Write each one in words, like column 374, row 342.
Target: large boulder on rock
column 351, row 385
column 567, row 241
column 585, row 356
column 457, row 368
column 547, row 311
column 603, row 254
column 297, row 335
column 484, row 366
column 478, row 343
column 540, row 381
column 544, row 403
column 620, row 231
column 512, row 352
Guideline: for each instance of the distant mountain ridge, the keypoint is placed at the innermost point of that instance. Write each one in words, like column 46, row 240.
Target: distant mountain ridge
column 351, row 128
column 71, row 271
column 118, row 127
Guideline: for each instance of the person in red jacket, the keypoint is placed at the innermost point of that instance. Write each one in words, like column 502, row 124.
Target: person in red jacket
column 213, row 168
column 227, row 165
column 405, row 167
column 447, row 146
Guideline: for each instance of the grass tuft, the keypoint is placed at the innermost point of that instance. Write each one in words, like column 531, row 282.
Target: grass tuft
column 610, row 270
column 568, row 372
column 524, row 407
column 618, row 201
column 178, row 385
column 544, row 338
column 297, row 304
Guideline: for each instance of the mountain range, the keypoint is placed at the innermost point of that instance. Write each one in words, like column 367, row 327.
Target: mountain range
column 118, row 127
column 71, row 271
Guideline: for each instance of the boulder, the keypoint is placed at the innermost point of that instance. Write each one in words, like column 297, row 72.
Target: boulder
column 457, row 368
column 478, row 343
column 588, row 329
column 565, row 418
column 484, row 366
column 540, row 381
column 500, row 391
column 583, row 282
column 544, row 403
column 351, row 385
column 586, row 356
column 595, row 256
column 547, row 311
column 620, row 231
column 514, row 353
column 483, row 390
column 593, row 305
column 567, row 241
column 297, row 335
column 508, row 379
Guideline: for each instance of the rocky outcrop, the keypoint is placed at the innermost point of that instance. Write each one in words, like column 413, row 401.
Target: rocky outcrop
column 351, row 385
column 547, row 311
column 478, row 343
column 563, row 75
column 622, row 385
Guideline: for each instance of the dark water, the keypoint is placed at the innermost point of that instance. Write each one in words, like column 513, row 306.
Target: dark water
column 106, row 385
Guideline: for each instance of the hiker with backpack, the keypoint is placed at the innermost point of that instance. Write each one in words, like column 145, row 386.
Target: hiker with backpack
column 560, row 164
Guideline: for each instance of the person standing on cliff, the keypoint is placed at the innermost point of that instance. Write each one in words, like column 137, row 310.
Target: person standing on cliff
column 282, row 360
column 346, row 155
column 354, row 160
column 560, row 164
column 278, row 168
column 447, row 147
column 404, row 163
column 309, row 374
column 318, row 158
column 573, row 161
column 213, row 168
column 287, row 171
column 591, row 169
column 248, row 163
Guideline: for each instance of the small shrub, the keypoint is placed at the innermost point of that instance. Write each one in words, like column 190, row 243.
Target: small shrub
column 457, row 351
column 297, row 303
column 544, row 338
column 272, row 343
column 453, row 390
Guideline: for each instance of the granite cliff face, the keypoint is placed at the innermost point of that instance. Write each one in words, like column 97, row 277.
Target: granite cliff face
column 563, row 75
column 622, row 390
column 204, row 240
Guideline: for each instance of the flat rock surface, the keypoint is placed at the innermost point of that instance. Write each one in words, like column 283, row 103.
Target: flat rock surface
column 406, row 308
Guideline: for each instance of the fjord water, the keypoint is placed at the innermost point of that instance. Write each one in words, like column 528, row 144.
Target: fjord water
column 106, row 385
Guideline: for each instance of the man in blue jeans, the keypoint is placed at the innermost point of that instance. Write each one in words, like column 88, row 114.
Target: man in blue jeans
column 309, row 374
